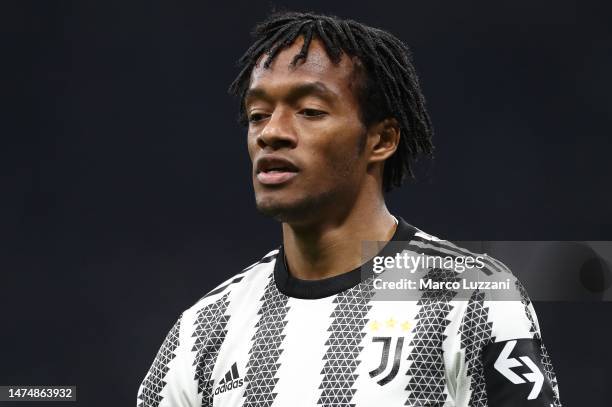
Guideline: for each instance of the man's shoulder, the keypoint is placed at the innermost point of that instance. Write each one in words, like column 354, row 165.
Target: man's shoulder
column 431, row 245
column 261, row 269
column 479, row 273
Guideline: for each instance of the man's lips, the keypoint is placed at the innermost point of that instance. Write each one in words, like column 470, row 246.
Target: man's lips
column 275, row 177
column 274, row 170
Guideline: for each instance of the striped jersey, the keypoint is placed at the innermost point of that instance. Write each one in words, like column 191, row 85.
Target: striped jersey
column 266, row 338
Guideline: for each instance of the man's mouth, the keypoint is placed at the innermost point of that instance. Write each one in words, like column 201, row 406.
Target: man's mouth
column 275, row 170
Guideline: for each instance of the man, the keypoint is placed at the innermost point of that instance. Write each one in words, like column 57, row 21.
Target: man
column 335, row 115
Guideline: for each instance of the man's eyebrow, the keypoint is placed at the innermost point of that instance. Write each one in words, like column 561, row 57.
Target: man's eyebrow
column 295, row 93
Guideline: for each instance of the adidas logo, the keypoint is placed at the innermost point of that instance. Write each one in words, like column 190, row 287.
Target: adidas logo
column 230, row 381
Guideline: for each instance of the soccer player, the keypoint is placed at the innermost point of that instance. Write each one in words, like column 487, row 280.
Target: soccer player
column 335, row 117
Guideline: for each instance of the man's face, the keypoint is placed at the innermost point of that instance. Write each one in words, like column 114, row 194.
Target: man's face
column 305, row 138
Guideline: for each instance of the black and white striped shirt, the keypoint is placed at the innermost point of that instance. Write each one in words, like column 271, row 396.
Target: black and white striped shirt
column 265, row 338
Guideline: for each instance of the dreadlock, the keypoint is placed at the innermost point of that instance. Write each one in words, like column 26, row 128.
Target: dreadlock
column 390, row 86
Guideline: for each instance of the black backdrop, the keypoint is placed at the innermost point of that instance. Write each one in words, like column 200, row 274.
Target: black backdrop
column 125, row 179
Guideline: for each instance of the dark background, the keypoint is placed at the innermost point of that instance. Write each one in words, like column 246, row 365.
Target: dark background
column 126, row 192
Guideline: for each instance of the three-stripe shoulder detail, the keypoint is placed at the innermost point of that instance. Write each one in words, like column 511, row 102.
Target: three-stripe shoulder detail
column 238, row 277
column 431, row 244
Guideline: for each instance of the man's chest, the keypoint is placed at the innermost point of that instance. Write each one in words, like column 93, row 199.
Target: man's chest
column 329, row 352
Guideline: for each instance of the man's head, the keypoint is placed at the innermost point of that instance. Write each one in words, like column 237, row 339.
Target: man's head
column 332, row 107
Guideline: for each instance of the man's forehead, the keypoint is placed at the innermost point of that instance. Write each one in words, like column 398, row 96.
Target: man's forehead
column 317, row 64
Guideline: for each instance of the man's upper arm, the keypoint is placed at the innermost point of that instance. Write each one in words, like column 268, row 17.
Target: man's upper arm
column 170, row 379
column 506, row 362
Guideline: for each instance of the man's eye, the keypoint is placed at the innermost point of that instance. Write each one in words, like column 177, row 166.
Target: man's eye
column 312, row 112
column 255, row 117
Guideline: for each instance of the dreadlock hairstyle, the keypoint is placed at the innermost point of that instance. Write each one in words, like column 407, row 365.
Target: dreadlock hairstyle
column 389, row 86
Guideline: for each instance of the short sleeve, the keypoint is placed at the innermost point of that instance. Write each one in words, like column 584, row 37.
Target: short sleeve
column 505, row 362
column 169, row 381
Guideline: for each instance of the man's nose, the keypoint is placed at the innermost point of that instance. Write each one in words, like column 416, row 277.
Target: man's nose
column 278, row 131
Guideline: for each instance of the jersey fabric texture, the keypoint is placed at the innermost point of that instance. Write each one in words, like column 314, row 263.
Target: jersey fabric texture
column 265, row 338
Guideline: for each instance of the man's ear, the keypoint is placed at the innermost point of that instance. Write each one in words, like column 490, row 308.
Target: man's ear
column 384, row 137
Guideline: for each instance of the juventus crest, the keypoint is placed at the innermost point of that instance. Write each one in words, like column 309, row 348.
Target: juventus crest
column 387, row 357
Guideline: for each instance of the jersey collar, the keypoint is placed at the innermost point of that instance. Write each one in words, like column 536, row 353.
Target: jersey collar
column 313, row 289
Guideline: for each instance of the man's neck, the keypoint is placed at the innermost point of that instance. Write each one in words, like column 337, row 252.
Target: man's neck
column 334, row 246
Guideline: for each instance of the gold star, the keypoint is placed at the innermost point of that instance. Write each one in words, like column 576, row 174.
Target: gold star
column 391, row 322
column 405, row 326
column 375, row 326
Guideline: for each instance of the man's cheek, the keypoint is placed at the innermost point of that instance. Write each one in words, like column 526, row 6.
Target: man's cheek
column 250, row 150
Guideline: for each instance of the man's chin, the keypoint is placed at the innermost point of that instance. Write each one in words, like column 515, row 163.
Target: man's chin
column 294, row 211
column 280, row 212
column 297, row 207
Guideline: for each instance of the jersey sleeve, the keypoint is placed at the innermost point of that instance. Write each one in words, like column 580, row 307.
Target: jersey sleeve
column 170, row 379
column 504, row 360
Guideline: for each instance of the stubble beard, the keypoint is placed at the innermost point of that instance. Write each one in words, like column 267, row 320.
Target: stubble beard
column 298, row 210
column 312, row 206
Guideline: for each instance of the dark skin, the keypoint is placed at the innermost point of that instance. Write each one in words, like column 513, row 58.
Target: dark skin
column 332, row 199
